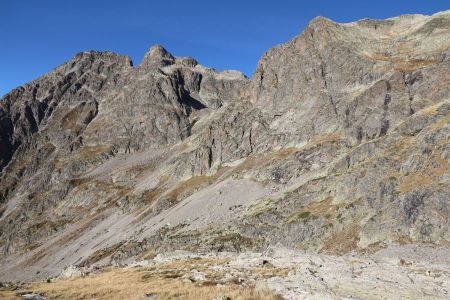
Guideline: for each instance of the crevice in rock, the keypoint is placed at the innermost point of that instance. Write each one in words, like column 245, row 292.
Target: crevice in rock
column 385, row 118
column 323, row 73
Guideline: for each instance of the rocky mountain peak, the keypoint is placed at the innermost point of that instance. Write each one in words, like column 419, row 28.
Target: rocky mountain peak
column 320, row 21
column 187, row 61
column 89, row 57
column 157, row 56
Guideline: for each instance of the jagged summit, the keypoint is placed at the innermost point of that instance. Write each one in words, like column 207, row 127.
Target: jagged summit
column 103, row 55
column 321, row 21
column 157, row 56
column 159, row 51
column 339, row 143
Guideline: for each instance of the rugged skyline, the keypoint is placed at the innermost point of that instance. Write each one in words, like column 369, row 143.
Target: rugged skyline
column 38, row 36
column 338, row 144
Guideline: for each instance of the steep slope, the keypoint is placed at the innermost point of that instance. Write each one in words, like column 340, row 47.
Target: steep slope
column 87, row 111
column 338, row 143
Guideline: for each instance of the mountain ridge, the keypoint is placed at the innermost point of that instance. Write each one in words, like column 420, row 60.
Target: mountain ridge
column 336, row 144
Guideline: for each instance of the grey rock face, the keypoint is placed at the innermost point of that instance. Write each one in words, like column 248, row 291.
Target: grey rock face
column 338, row 143
column 94, row 107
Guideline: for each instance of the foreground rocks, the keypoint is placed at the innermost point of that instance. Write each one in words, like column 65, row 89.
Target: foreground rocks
column 398, row 272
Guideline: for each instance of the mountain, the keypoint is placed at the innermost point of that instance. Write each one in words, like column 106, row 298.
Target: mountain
column 339, row 143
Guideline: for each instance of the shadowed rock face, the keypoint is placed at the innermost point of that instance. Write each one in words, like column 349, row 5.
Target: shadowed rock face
column 338, row 143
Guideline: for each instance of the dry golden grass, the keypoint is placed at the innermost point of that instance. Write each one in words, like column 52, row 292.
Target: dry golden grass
column 412, row 65
column 302, row 215
column 150, row 196
column 163, row 281
column 414, row 181
column 399, row 63
column 271, row 272
column 101, row 254
column 249, row 163
column 325, row 138
column 176, row 193
column 440, row 123
column 92, row 152
column 428, row 176
column 282, row 153
column 324, row 208
column 258, row 161
column 430, row 110
column 343, row 241
column 261, row 206
column 200, row 264
column 9, row 295
column 134, row 283
column 187, row 187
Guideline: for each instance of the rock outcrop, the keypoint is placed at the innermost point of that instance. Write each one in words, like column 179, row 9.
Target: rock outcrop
column 338, row 143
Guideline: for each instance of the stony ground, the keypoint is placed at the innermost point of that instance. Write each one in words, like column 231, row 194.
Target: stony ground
column 399, row 272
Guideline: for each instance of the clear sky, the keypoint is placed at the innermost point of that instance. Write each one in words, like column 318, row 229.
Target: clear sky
column 38, row 35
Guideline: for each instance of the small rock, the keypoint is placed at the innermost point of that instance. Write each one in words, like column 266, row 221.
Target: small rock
column 197, row 276
column 71, row 272
column 222, row 298
column 34, row 297
column 265, row 263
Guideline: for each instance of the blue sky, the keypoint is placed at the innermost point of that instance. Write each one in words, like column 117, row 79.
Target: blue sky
column 36, row 36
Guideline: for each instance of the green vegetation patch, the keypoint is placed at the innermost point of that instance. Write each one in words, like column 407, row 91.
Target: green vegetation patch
column 304, row 216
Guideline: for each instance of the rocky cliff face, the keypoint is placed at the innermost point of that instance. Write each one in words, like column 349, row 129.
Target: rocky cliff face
column 338, row 143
